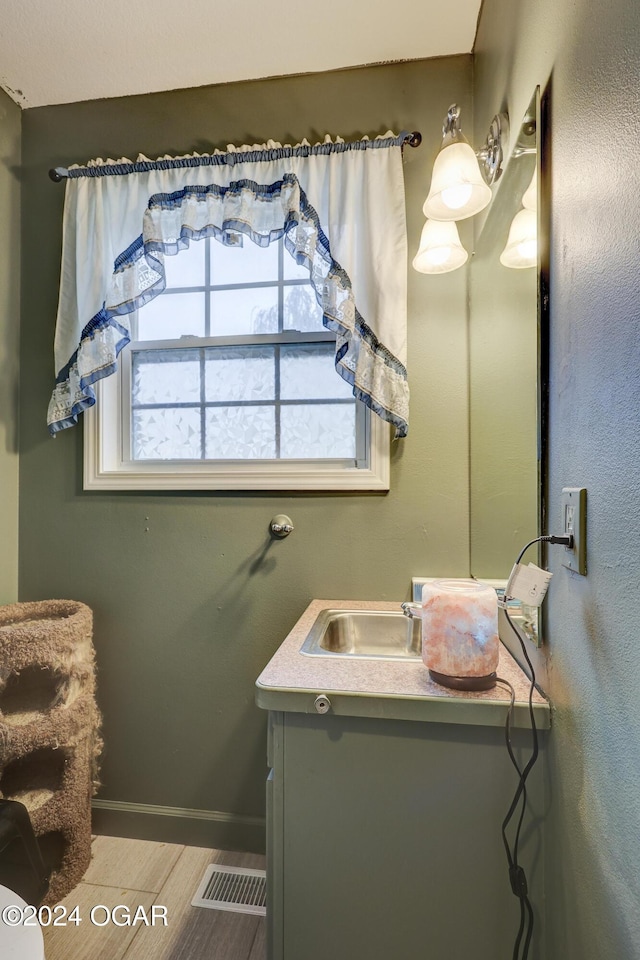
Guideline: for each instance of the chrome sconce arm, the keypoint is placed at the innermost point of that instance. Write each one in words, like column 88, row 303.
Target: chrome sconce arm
column 451, row 132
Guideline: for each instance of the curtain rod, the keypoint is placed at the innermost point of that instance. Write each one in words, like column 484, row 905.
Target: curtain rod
column 57, row 174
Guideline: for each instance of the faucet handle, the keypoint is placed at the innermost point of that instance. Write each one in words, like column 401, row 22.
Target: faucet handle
column 412, row 610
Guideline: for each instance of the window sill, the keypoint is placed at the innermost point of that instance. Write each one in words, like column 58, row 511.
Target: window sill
column 104, row 468
column 247, row 478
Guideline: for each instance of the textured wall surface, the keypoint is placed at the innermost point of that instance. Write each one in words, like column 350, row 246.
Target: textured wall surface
column 10, row 146
column 190, row 597
column 593, row 849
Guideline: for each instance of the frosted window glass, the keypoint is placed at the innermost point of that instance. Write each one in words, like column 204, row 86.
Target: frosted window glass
column 166, row 434
column 291, row 270
column 238, row 312
column 172, row 315
column 186, row 269
column 318, row 431
column 240, row 433
column 246, row 264
column 309, row 373
column 165, row 376
column 240, row 374
column 301, row 309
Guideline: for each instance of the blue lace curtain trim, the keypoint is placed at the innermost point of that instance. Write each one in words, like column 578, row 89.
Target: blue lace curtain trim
column 227, row 233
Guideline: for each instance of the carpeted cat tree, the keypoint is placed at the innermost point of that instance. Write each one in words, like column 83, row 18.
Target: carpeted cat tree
column 49, row 729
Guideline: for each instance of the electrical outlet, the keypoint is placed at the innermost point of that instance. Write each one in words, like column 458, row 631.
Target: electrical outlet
column 574, row 514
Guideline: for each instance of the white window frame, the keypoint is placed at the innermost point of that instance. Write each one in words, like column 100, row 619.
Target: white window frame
column 107, row 463
column 105, row 467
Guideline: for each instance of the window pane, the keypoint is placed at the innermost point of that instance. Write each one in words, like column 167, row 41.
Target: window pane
column 186, row 269
column 318, row 431
column 291, row 269
column 166, row 434
column 165, row 376
column 240, row 433
column 240, row 374
column 172, row 315
column 309, row 373
column 252, row 310
column 246, row 264
column 301, row 309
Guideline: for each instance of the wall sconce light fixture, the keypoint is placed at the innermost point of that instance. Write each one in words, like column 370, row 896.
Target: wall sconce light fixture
column 530, row 196
column 521, row 250
column 460, row 183
column 460, row 188
column 440, row 249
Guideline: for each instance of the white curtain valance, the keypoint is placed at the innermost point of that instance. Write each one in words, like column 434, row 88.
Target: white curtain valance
column 341, row 213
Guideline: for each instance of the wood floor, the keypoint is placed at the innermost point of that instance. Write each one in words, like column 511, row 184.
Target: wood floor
column 140, row 873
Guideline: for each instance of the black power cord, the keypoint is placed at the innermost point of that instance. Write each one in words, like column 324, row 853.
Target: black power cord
column 517, row 876
column 566, row 539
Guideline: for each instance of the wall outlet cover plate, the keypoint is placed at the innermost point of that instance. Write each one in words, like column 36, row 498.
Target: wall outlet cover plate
column 574, row 518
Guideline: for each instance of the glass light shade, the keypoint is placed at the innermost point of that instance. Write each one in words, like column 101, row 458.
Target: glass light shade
column 521, row 250
column 457, row 188
column 440, row 250
column 530, row 197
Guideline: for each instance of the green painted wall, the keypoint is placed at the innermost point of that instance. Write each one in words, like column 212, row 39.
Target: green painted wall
column 593, row 827
column 190, row 597
column 10, row 148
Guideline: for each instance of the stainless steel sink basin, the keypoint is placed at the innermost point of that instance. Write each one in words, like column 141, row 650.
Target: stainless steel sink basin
column 371, row 634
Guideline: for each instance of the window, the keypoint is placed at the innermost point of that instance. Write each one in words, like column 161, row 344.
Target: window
column 229, row 383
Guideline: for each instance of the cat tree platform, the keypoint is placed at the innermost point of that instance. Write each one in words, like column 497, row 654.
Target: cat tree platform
column 49, row 729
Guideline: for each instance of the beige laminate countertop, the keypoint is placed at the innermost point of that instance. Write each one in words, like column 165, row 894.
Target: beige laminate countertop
column 400, row 690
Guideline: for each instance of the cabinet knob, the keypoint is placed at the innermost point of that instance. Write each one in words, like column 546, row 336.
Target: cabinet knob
column 322, row 704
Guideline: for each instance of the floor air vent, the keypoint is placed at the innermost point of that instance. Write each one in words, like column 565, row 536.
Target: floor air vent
column 237, row 889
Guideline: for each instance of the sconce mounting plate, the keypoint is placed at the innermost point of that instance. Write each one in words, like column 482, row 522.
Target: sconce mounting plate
column 492, row 154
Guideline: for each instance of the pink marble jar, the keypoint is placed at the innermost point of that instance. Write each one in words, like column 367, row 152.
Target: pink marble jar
column 460, row 643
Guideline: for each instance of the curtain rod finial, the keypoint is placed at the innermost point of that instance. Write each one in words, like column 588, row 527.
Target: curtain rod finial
column 56, row 174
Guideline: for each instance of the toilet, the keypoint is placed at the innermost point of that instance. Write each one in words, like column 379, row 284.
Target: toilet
column 19, row 942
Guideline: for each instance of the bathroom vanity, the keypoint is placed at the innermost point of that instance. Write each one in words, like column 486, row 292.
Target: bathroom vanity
column 385, row 798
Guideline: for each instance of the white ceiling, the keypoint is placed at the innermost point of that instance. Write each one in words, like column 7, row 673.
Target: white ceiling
column 61, row 51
